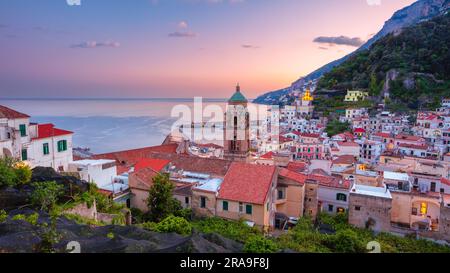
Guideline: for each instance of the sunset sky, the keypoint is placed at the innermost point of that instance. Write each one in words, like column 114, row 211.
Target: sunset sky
column 175, row 48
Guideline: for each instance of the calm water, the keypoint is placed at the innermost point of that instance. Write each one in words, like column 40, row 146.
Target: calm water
column 108, row 125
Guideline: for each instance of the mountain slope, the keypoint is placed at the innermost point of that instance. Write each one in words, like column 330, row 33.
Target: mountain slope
column 412, row 68
column 411, row 15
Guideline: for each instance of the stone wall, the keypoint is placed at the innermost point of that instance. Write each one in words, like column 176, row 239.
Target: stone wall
column 370, row 212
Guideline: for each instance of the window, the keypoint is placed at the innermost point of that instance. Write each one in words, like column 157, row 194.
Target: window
column 62, row 145
column 358, row 208
column 423, row 208
column 433, row 186
column 23, row 130
column 414, row 211
column 341, row 197
column 225, row 205
column 241, row 207
column 248, row 209
column 330, row 208
column 203, row 202
column 24, row 154
column 280, row 194
column 186, row 200
column 340, row 210
column 45, row 149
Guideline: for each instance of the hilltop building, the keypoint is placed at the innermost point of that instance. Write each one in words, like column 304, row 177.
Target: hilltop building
column 355, row 96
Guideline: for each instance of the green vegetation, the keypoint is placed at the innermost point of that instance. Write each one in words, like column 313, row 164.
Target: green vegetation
column 421, row 57
column 335, row 127
column 110, row 235
column 46, row 194
column 3, row 216
column 237, row 231
column 13, row 173
column 160, row 201
column 81, row 220
column 306, row 237
column 170, row 224
column 259, row 244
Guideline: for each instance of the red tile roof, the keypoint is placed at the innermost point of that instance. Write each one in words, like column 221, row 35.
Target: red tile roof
column 153, row 163
column 330, row 181
column 348, row 144
column 383, row 135
column 297, row 166
column 49, row 130
column 9, row 113
column 128, row 158
column 413, row 146
column 309, row 135
column 142, row 179
column 247, row 183
column 359, row 130
column 345, row 159
column 268, row 155
column 445, row 181
column 407, row 137
column 294, row 176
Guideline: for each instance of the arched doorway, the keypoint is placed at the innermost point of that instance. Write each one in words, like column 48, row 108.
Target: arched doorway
column 6, row 152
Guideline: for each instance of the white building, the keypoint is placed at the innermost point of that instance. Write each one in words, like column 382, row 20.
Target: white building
column 35, row 144
column 102, row 172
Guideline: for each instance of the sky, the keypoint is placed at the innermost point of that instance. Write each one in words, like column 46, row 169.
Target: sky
column 175, row 48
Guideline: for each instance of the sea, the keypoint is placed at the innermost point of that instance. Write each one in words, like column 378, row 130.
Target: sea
column 107, row 125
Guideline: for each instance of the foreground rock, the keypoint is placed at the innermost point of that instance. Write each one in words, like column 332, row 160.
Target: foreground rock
column 18, row 236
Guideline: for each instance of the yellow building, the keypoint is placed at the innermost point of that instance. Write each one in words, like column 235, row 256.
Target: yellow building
column 355, row 96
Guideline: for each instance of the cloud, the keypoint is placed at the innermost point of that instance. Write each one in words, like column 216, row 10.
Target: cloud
column 182, row 24
column 373, row 2
column 249, row 46
column 341, row 40
column 183, row 34
column 323, row 48
column 94, row 44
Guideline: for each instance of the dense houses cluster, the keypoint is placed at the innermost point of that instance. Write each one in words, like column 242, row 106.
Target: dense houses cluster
column 388, row 172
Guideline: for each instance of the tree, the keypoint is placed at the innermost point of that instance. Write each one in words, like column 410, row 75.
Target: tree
column 46, row 194
column 7, row 173
column 335, row 127
column 13, row 172
column 160, row 201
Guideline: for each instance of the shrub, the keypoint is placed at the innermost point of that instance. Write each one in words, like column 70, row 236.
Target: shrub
column 174, row 224
column 32, row 218
column 3, row 216
column 110, row 235
column 22, row 174
column 238, row 231
column 259, row 244
column 7, row 173
column 19, row 217
column 46, row 194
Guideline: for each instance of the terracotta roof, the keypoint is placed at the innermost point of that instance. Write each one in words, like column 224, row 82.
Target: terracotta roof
column 297, row 166
column 345, row 159
column 384, row 135
column 408, row 137
column 9, row 113
column 347, row 144
column 330, row 181
column 142, row 179
column 445, row 181
column 153, row 163
column 268, row 155
column 294, row 176
column 126, row 159
column 213, row 166
column 247, row 183
column 413, row 146
column 49, row 130
column 310, row 135
column 359, row 130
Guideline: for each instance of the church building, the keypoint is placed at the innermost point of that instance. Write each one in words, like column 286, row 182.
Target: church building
column 237, row 128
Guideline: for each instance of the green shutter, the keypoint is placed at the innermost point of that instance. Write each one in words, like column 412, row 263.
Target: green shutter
column 24, row 155
column 248, row 209
column 46, row 149
column 225, row 205
column 59, row 146
column 23, row 130
column 64, row 145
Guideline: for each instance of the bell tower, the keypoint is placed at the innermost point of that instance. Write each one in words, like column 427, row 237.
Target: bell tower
column 237, row 128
